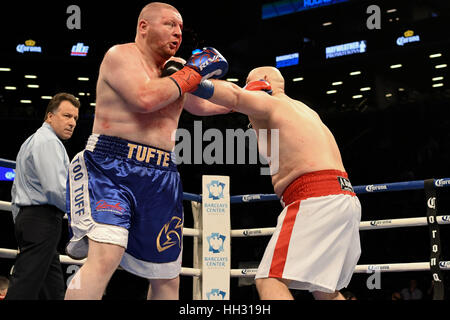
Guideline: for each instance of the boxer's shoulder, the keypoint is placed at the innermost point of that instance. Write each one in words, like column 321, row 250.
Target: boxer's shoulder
column 121, row 48
column 118, row 56
column 120, row 52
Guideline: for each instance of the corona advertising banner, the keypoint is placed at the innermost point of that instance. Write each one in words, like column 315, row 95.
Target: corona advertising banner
column 216, row 238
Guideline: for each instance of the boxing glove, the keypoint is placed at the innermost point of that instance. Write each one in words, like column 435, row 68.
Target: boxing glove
column 205, row 88
column 171, row 67
column 206, row 64
column 259, row 85
column 209, row 63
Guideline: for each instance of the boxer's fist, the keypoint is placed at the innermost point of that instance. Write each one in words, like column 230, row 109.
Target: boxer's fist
column 259, row 85
column 208, row 63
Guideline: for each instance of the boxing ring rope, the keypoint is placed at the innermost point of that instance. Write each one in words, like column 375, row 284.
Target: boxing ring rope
column 196, row 232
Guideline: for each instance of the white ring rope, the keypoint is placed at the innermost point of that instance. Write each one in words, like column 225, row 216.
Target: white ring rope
column 259, row 232
column 6, row 206
column 11, row 254
column 364, row 268
column 247, row 273
column 364, row 225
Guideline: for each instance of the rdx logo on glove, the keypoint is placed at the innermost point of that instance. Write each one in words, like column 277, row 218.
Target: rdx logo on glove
column 211, row 58
column 208, row 57
column 203, row 65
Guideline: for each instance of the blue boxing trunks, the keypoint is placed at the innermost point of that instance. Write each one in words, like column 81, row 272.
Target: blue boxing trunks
column 128, row 194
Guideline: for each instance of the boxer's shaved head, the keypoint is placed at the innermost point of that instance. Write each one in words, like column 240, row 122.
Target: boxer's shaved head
column 270, row 74
column 153, row 9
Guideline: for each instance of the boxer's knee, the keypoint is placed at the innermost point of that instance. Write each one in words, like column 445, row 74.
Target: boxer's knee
column 319, row 295
column 164, row 289
column 273, row 289
column 104, row 257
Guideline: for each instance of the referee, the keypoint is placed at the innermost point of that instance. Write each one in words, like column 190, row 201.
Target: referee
column 39, row 202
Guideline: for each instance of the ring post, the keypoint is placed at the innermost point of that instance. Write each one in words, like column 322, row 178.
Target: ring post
column 197, row 259
column 216, row 238
column 435, row 240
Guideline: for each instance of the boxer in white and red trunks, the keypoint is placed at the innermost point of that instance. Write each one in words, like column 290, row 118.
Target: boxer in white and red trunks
column 316, row 243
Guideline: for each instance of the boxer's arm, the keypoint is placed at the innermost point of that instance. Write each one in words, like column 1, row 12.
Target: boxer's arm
column 192, row 104
column 202, row 107
column 257, row 104
column 124, row 73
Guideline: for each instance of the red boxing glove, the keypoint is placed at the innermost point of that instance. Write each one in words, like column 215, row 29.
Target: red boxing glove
column 187, row 79
column 259, row 85
column 208, row 63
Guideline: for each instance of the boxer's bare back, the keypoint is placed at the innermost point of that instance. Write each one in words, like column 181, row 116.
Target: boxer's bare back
column 305, row 143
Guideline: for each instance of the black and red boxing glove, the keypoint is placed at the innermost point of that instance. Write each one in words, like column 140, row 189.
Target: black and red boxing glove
column 171, row 67
column 259, row 85
column 205, row 88
column 208, row 63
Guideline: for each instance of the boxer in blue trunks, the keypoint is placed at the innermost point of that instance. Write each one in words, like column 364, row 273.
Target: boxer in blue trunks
column 111, row 203
column 125, row 194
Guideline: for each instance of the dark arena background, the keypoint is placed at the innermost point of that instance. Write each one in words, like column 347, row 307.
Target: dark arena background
column 386, row 98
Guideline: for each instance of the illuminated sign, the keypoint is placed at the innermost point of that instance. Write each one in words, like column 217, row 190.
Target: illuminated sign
column 7, row 174
column 346, row 49
column 279, row 8
column 79, row 50
column 287, row 60
column 407, row 38
column 29, row 46
column 308, row 4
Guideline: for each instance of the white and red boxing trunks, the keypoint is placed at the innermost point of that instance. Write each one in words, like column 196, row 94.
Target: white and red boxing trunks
column 316, row 242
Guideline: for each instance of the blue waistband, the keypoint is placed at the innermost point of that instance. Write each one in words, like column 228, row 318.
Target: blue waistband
column 138, row 153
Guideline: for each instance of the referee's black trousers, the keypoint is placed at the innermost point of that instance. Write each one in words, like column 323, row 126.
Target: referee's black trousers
column 37, row 272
